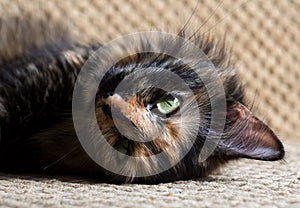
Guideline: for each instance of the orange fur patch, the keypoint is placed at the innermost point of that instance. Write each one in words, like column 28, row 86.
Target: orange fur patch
column 173, row 129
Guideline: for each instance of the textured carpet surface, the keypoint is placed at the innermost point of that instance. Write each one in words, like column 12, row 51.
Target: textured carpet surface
column 266, row 45
column 245, row 183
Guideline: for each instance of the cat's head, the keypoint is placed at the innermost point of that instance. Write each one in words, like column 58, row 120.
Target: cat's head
column 143, row 112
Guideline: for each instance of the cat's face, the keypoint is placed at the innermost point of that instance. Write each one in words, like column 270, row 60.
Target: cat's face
column 175, row 122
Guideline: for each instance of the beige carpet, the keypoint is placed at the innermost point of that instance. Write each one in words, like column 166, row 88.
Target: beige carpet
column 246, row 183
column 265, row 37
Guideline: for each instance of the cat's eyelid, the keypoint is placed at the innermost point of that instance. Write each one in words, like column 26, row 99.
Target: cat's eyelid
column 166, row 96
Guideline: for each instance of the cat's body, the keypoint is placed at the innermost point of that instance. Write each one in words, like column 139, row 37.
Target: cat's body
column 37, row 131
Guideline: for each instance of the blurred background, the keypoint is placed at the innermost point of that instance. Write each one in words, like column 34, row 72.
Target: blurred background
column 264, row 36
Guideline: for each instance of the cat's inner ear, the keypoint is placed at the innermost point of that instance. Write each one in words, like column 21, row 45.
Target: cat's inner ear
column 249, row 137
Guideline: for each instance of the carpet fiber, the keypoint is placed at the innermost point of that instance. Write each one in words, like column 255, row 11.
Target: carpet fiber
column 245, row 183
column 265, row 39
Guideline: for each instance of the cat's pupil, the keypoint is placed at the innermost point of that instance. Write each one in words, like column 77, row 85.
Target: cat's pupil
column 168, row 105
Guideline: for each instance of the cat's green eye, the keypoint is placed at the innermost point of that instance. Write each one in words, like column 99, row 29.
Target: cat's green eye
column 168, row 105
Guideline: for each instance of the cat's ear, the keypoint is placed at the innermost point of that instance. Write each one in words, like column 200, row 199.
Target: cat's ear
column 249, row 137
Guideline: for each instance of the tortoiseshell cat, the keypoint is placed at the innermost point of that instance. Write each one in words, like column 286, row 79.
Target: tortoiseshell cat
column 37, row 77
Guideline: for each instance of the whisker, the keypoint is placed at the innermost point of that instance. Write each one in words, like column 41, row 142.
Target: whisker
column 207, row 19
column 225, row 17
column 189, row 19
column 60, row 159
column 252, row 106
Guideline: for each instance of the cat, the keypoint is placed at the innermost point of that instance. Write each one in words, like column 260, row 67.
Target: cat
column 38, row 72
